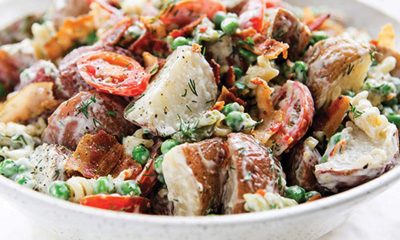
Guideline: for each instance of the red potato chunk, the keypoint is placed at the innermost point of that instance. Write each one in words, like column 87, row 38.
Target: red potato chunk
column 252, row 167
column 286, row 27
column 194, row 174
column 87, row 112
column 301, row 164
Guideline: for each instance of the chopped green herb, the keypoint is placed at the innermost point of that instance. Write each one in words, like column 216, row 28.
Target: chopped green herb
column 355, row 112
column 192, row 86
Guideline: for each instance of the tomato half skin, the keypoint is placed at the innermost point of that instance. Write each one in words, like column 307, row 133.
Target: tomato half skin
column 117, row 203
column 113, row 73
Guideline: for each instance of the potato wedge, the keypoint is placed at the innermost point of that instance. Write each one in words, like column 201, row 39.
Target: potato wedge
column 251, row 167
column 49, row 161
column 194, row 174
column 286, row 27
column 365, row 149
column 301, row 164
column 336, row 65
column 184, row 89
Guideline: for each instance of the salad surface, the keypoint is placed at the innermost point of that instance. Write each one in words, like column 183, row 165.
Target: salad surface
column 195, row 107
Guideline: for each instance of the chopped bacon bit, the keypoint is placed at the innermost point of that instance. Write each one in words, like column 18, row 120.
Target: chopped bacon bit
column 272, row 49
column 216, row 70
column 218, row 105
column 186, row 30
column 261, row 192
column 229, row 97
column 248, row 32
column 374, row 43
column 96, row 155
column 203, row 29
column 318, row 22
column 230, row 77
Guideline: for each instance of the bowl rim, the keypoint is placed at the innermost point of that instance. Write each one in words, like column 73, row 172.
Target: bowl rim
column 366, row 189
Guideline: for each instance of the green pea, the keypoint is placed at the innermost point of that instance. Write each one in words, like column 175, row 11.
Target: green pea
column 229, row 25
column 247, row 55
column 228, row 108
column 140, row 154
column 168, row 145
column 296, row 193
column 8, row 168
column 23, row 179
column 60, row 189
column 300, row 68
column 311, row 194
column 130, row 188
column 234, row 120
column 238, row 72
column 318, row 36
column 179, row 41
column 219, row 17
column 103, row 185
column 394, row 118
column 158, row 164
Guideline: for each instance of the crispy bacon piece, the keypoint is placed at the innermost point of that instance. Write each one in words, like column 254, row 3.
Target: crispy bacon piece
column 73, row 30
column 216, row 70
column 330, row 119
column 271, row 49
column 227, row 96
column 98, row 155
column 186, row 30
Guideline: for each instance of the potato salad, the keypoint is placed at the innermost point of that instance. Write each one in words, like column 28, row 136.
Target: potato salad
column 195, row 107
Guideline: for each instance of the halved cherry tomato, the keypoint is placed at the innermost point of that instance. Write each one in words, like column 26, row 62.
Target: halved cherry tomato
column 117, row 203
column 147, row 178
column 113, row 73
column 187, row 11
column 252, row 15
column 295, row 101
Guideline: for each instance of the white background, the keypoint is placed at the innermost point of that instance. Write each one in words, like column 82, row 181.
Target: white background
column 376, row 219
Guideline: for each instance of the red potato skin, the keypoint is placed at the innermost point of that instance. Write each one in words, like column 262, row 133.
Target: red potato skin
column 40, row 75
column 301, row 166
column 254, row 167
column 212, row 179
column 286, row 27
column 73, row 119
column 295, row 101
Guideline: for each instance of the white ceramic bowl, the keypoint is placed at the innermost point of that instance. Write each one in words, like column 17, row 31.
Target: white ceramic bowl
column 56, row 219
